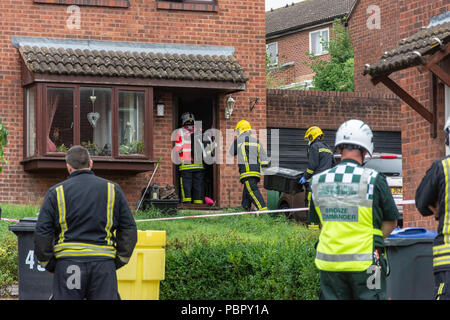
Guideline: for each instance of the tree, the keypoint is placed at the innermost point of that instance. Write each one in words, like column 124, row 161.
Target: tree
column 3, row 142
column 336, row 74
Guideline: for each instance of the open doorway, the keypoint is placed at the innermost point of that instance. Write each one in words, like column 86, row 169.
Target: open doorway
column 203, row 109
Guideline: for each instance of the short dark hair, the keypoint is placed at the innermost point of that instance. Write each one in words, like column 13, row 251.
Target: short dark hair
column 78, row 157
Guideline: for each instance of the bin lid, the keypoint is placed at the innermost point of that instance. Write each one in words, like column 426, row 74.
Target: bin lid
column 410, row 236
column 284, row 172
column 24, row 225
column 413, row 232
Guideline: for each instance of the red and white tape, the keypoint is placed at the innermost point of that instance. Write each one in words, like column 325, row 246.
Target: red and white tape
column 398, row 202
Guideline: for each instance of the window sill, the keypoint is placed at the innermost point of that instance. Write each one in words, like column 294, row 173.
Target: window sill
column 96, row 3
column 187, row 6
column 50, row 164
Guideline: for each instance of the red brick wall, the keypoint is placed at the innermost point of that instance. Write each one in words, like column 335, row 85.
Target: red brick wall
column 399, row 20
column 370, row 44
column 419, row 149
column 328, row 110
column 234, row 24
column 294, row 48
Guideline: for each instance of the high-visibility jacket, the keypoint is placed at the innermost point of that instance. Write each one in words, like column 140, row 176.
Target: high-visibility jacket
column 435, row 188
column 84, row 217
column 186, row 147
column 251, row 156
column 343, row 200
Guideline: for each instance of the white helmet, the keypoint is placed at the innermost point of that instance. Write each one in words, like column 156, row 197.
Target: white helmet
column 447, row 131
column 355, row 132
column 187, row 116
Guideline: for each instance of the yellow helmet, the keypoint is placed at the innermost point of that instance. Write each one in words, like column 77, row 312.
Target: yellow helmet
column 313, row 133
column 242, row 126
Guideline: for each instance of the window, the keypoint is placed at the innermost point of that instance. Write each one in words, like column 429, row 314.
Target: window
column 97, row 3
column 112, row 122
column 317, row 40
column 188, row 5
column 272, row 53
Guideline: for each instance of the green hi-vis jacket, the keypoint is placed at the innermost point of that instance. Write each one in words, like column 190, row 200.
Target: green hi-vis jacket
column 84, row 217
column 351, row 203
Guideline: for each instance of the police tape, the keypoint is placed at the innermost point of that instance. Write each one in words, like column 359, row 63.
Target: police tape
column 398, row 202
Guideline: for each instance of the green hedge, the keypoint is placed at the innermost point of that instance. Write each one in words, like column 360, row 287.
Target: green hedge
column 233, row 268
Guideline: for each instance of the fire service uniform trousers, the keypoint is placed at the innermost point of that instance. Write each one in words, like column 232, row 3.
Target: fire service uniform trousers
column 78, row 279
column 251, row 194
column 191, row 184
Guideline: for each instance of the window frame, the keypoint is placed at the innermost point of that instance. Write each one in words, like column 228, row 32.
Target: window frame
column 275, row 43
column 322, row 51
column 41, row 153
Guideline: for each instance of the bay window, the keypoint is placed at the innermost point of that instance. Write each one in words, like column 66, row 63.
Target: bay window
column 112, row 122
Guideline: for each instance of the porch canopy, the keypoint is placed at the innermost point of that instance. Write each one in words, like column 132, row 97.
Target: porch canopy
column 425, row 49
column 131, row 63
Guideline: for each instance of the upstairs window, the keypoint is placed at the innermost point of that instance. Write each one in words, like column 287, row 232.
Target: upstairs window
column 272, row 53
column 318, row 40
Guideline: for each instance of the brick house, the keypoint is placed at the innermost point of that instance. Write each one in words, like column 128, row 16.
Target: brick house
column 407, row 53
column 115, row 75
column 295, row 30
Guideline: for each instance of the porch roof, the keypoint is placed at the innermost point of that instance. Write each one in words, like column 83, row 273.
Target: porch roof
column 130, row 60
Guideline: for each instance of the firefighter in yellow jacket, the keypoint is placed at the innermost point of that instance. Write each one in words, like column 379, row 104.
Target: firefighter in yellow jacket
column 355, row 209
column 251, row 156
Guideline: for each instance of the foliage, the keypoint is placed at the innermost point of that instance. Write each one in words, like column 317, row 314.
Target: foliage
column 3, row 142
column 62, row 148
column 336, row 74
column 271, row 80
column 135, row 147
column 92, row 147
column 8, row 263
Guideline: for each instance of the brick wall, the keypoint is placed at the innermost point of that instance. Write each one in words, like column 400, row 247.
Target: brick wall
column 399, row 20
column 328, row 110
column 419, row 149
column 294, row 48
column 369, row 44
column 231, row 24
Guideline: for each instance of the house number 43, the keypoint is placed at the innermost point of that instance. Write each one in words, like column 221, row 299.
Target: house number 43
column 30, row 261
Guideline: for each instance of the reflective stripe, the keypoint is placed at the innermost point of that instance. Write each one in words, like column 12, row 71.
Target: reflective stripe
column 43, row 263
column 244, row 155
column 440, row 261
column 249, row 189
column 72, row 249
column 191, row 166
column 183, row 198
column 441, row 249
column 325, row 150
column 109, row 212
column 62, row 212
column 445, row 229
column 250, row 174
column 198, row 201
column 124, row 259
column 343, row 257
column 310, row 171
column 377, row 232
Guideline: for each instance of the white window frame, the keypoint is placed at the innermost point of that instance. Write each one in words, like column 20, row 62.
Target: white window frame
column 322, row 51
column 276, row 52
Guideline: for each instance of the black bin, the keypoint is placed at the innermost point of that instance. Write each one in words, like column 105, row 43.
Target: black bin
column 282, row 180
column 35, row 283
column 410, row 256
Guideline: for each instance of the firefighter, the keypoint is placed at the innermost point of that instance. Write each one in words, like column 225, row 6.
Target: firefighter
column 432, row 198
column 251, row 156
column 355, row 209
column 188, row 145
column 84, row 232
column 320, row 158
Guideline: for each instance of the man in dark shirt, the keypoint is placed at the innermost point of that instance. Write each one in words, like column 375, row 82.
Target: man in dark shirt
column 432, row 198
column 85, row 231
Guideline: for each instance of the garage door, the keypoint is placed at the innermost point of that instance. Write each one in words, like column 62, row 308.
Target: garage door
column 292, row 147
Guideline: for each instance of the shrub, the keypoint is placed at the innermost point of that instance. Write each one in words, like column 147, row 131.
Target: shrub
column 229, row 267
column 8, row 263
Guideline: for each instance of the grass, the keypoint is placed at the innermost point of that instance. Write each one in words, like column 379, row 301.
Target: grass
column 252, row 256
